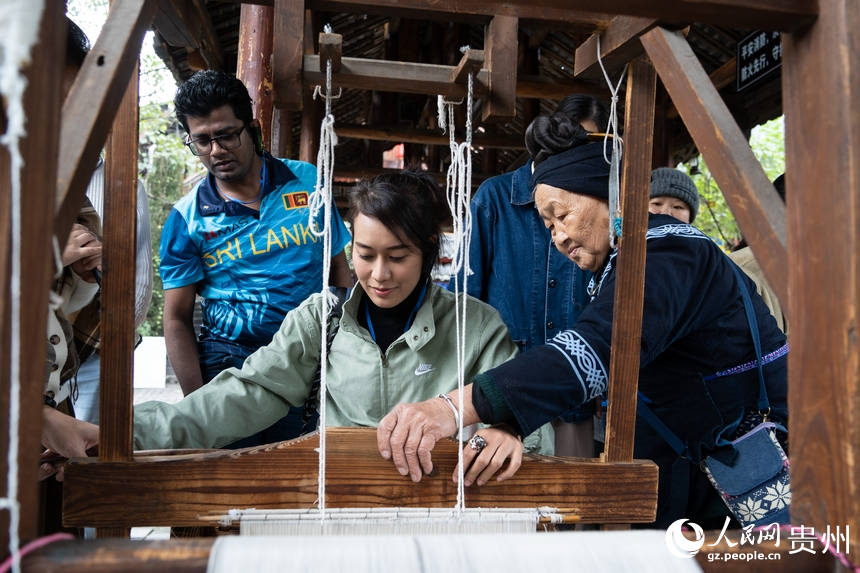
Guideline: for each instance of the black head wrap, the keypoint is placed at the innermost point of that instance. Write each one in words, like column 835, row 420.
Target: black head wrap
column 580, row 170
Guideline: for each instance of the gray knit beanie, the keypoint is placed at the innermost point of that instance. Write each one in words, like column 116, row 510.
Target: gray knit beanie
column 668, row 182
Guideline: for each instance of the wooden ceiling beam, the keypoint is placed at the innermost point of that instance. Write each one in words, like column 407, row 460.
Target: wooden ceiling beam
column 618, row 45
column 178, row 23
column 751, row 196
column 590, row 16
column 212, row 52
column 91, row 106
column 424, row 136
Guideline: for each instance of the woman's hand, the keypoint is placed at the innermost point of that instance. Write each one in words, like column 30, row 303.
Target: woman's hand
column 83, row 252
column 502, row 443
column 66, row 437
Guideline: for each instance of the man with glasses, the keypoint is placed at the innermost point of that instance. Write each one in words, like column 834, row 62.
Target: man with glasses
column 240, row 240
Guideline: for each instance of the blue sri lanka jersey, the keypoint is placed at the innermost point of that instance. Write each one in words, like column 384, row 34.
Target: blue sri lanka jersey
column 250, row 267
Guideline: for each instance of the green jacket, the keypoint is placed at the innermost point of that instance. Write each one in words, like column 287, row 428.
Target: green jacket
column 363, row 383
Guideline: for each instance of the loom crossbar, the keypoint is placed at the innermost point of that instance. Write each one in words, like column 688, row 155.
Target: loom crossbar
column 174, row 490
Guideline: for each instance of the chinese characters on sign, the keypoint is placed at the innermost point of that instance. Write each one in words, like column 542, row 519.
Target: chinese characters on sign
column 759, row 54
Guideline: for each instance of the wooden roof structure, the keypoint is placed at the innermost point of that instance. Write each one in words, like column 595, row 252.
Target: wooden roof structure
column 809, row 249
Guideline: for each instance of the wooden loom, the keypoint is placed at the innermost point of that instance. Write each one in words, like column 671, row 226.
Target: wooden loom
column 821, row 89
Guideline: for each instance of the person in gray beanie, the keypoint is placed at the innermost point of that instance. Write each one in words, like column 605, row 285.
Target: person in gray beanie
column 673, row 193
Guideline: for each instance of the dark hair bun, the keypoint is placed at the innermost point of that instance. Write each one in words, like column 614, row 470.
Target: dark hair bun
column 549, row 135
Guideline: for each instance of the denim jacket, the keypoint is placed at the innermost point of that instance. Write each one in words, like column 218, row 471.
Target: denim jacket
column 517, row 269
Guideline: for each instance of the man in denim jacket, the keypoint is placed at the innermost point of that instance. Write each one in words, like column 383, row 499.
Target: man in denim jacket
column 518, row 271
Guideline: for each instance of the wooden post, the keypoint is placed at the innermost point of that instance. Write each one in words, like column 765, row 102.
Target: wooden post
column 38, row 174
column 288, row 47
column 821, row 96
column 254, row 65
column 282, row 133
column 118, row 284
column 500, row 51
column 630, row 285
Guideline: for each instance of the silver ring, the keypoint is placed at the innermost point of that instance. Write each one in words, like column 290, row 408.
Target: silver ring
column 478, row 443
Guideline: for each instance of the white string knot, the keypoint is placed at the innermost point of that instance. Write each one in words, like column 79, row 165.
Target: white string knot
column 615, row 219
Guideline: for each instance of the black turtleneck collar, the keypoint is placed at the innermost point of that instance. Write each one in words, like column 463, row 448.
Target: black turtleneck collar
column 389, row 323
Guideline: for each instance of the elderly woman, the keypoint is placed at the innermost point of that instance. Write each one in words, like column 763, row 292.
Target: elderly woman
column 694, row 326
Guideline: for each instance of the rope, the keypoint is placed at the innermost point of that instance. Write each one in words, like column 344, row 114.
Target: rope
column 19, row 30
column 321, row 201
column 614, row 162
column 458, row 187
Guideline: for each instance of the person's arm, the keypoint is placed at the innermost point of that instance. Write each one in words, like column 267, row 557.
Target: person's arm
column 179, row 336
column 339, row 276
column 64, row 436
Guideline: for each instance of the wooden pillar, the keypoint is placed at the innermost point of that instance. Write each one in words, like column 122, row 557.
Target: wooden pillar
column 500, row 51
column 255, row 62
column 312, row 110
column 289, row 46
column 282, row 133
column 39, row 151
column 821, row 99
column 629, row 291
column 118, row 285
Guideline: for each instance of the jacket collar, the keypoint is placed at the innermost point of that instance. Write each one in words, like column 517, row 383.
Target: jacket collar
column 521, row 190
column 423, row 328
column 209, row 203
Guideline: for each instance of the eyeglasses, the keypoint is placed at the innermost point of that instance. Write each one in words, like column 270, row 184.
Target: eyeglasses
column 227, row 142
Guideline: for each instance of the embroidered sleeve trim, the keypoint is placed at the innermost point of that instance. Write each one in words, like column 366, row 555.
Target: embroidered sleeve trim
column 584, row 361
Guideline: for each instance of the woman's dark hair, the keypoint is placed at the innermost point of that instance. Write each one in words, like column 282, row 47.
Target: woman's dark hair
column 582, row 107
column 208, row 90
column 410, row 203
column 549, row 135
column 77, row 44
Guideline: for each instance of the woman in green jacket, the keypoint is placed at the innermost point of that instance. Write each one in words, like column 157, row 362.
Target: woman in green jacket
column 396, row 343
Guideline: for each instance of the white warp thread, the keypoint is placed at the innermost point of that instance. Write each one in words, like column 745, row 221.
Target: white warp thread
column 19, row 32
column 642, row 551
column 321, row 201
column 617, row 150
column 458, row 189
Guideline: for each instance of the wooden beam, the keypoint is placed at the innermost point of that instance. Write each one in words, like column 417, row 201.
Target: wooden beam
column 282, row 133
column 630, row 282
column 38, row 148
column 721, row 77
column 425, row 136
column 474, row 12
column 618, row 45
column 178, row 22
column 185, row 555
column 389, row 76
column 289, row 47
column 331, row 48
column 254, row 63
column 782, row 15
column 175, row 490
column 500, row 49
column 357, row 173
column 212, row 52
column 754, row 202
column 821, row 96
column 543, row 87
column 471, row 63
column 90, row 108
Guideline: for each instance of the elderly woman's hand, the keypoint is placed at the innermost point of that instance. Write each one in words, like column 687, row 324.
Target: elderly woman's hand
column 409, row 432
column 487, row 451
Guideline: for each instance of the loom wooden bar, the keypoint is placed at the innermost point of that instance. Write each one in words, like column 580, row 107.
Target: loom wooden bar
column 500, row 52
column 112, row 555
column 424, row 136
column 618, row 45
column 331, row 48
column 90, row 107
column 630, row 284
column 41, row 106
column 721, row 77
column 752, row 198
column 474, row 12
column 178, row 22
column 389, row 76
column 821, row 91
column 174, row 490
column 748, row 14
column 471, row 63
column 254, row 63
column 289, row 48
